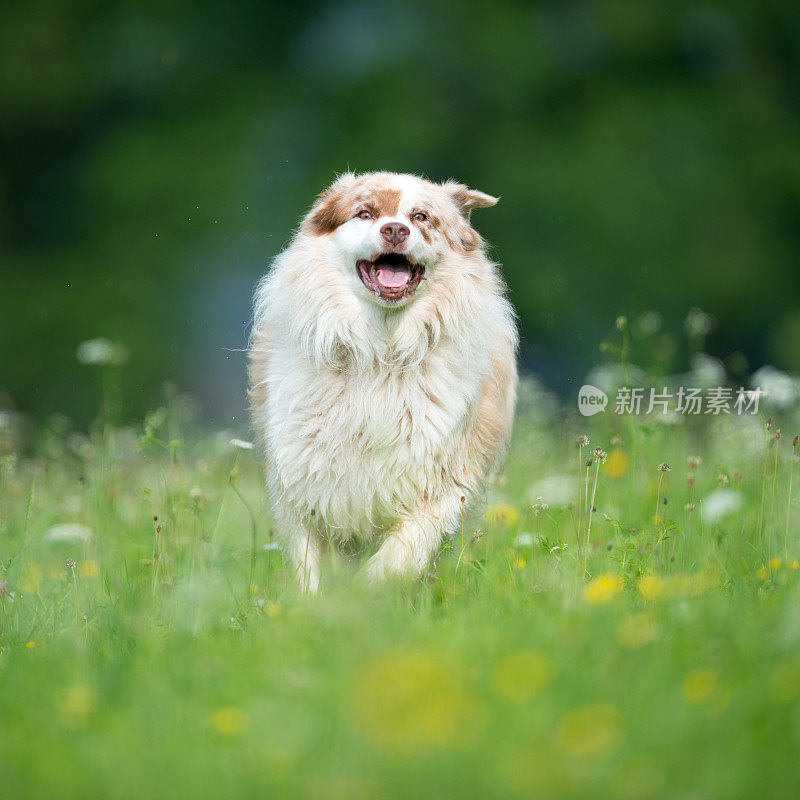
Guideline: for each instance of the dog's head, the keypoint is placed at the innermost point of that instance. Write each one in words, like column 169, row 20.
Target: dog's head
column 389, row 231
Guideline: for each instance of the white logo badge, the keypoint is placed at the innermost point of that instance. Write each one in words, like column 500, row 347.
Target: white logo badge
column 591, row 400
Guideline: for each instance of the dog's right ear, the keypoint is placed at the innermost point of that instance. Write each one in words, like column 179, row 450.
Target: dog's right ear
column 330, row 210
column 466, row 199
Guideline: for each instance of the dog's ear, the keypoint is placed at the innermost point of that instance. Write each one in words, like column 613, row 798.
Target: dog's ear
column 329, row 210
column 466, row 199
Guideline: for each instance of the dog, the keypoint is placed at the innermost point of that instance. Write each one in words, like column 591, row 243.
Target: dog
column 382, row 371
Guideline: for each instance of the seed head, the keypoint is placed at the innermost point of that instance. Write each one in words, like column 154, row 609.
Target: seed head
column 583, row 441
column 769, row 424
column 663, row 467
column 778, row 435
column 693, row 462
column 794, row 441
column 70, row 563
column 600, row 455
column 690, row 507
column 722, row 480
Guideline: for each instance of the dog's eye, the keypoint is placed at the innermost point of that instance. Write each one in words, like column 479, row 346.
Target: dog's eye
column 364, row 214
column 420, row 216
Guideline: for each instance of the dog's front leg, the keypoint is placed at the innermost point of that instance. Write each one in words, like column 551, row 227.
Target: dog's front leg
column 410, row 545
column 303, row 549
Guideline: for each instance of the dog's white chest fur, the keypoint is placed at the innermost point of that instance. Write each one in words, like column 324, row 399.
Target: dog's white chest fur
column 359, row 450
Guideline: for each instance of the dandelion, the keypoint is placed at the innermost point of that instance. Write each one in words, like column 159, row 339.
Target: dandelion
column 698, row 685
column 520, row 677
column 101, row 352
column 229, row 721
column 650, row 587
column 502, row 514
column 602, row 589
column 30, row 645
column 775, row 564
column 590, row 730
column 616, row 465
column 88, row 569
column 520, row 563
column 637, row 630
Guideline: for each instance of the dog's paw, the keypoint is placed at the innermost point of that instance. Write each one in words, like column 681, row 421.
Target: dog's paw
column 395, row 559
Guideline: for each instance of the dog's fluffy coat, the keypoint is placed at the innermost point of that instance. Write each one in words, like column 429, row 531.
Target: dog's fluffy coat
column 380, row 418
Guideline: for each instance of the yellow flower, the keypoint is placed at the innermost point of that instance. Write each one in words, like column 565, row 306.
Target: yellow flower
column 273, row 610
column 88, row 569
column 650, row 587
column 699, row 685
column 229, row 721
column 602, row 589
column 30, row 580
column 410, row 700
column 520, row 677
column 616, row 464
column 774, row 564
column 520, row 563
column 794, row 564
column 637, row 630
column 502, row 514
column 762, row 574
column 76, row 705
column 30, row 645
column 590, row 730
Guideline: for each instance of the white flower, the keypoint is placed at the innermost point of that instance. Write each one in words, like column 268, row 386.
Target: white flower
column 68, row 532
column 523, row 540
column 242, row 444
column 780, row 390
column 101, row 352
column 721, row 504
column 557, row 547
column 554, row 490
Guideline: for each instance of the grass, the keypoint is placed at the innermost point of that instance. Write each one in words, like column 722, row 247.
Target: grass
column 173, row 658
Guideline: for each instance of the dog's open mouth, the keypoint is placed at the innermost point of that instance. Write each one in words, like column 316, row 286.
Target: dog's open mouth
column 391, row 276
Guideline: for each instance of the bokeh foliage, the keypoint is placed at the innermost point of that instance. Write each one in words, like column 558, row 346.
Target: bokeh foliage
column 156, row 155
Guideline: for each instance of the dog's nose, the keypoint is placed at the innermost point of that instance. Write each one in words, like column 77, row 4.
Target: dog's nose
column 395, row 233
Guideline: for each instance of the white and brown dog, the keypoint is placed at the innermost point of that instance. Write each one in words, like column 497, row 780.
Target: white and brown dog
column 382, row 371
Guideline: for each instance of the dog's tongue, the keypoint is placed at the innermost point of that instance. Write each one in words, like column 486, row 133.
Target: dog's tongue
column 393, row 277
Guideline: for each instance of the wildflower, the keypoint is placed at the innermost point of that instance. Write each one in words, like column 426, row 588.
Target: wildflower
column 698, row 685
column 698, row 323
column 241, row 444
column 602, row 589
column 410, row 700
column 101, row 352
column 769, row 424
column 520, row 563
column 68, row 532
column 520, row 677
column 502, row 514
column 196, row 495
column 71, row 563
column 76, row 705
column 89, row 569
column 694, row 461
column 620, row 323
column 794, row 565
column 616, row 441
column 583, row 441
column 477, row 535
column 600, row 455
column 723, row 480
column 690, row 480
column 663, row 467
column 3, row 590
column 650, row 587
column 720, row 504
column 589, row 730
column 616, row 465
column 273, row 610
column 523, row 540
column 30, row 645
column 637, row 630
column 229, row 721
column 763, row 573
column 539, row 507
column 774, row 564
column 690, row 507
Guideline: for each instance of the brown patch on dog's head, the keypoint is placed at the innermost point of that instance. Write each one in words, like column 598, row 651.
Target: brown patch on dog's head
column 331, row 208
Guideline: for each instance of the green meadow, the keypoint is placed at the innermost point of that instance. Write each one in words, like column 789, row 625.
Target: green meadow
column 616, row 624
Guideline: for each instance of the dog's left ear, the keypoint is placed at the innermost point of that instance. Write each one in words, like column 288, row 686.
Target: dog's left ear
column 466, row 199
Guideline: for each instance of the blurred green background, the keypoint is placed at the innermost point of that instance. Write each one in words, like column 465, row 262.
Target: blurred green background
column 157, row 155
